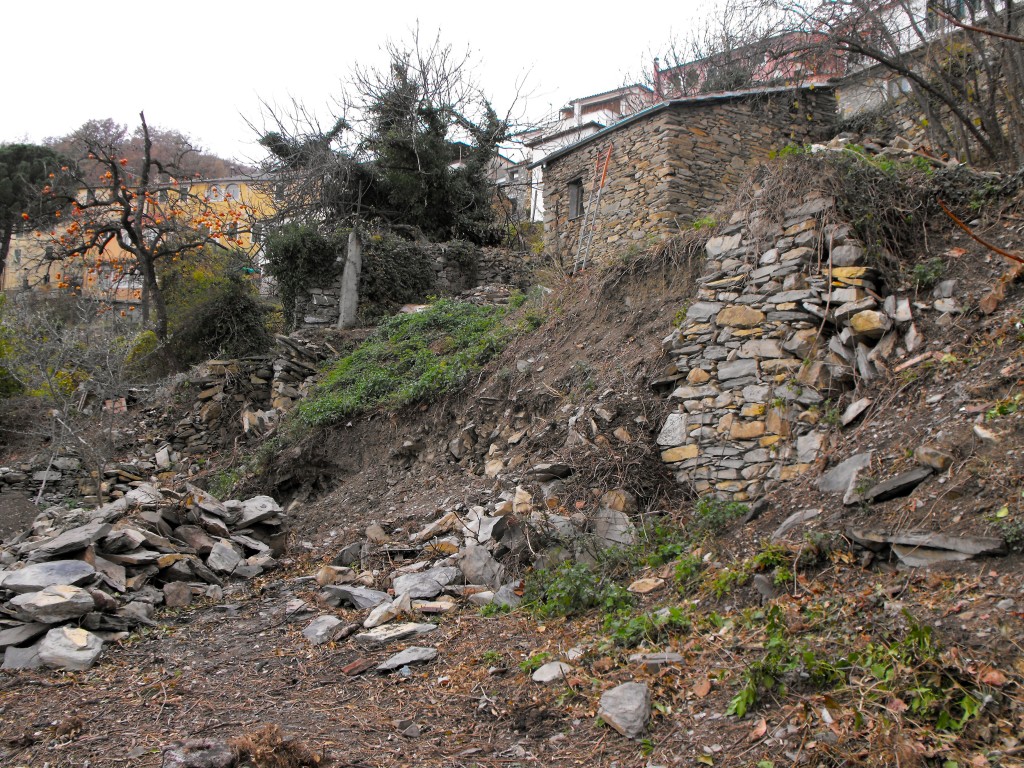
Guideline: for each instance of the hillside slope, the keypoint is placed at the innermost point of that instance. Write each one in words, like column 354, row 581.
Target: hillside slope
column 818, row 645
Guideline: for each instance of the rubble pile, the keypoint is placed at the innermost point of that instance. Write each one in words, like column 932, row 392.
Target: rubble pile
column 237, row 399
column 79, row 578
column 245, row 396
column 491, row 293
column 473, row 554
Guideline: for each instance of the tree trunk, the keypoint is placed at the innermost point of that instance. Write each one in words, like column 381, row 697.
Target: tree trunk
column 5, row 247
column 156, row 297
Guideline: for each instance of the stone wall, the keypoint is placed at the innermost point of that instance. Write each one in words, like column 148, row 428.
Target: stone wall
column 781, row 325
column 451, row 276
column 675, row 163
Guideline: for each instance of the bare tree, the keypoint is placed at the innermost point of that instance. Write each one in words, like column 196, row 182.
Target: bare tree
column 80, row 366
column 137, row 213
column 169, row 147
column 313, row 171
column 967, row 82
column 733, row 48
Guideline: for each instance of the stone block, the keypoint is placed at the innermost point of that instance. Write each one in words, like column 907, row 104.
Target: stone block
column 680, row 453
column 674, row 431
column 702, row 311
column 740, row 316
column 736, row 369
column 746, row 430
column 870, row 324
column 761, row 348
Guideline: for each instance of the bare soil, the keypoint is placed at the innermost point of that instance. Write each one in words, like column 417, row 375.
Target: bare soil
column 229, row 670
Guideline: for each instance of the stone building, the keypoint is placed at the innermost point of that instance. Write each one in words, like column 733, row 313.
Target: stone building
column 672, row 163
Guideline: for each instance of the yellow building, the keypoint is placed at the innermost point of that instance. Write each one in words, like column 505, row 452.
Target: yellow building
column 231, row 212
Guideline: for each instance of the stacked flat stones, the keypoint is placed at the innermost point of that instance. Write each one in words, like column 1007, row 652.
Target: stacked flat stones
column 779, row 324
column 79, row 578
column 320, row 307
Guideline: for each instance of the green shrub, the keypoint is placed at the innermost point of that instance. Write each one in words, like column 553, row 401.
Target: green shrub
column 571, row 589
column 230, row 321
column 299, row 258
column 410, row 358
column 142, row 352
column 771, row 556
column 532, row 663
column 928, row 273
column 630, row 631
column 727, row 579
column 663, row 544
column 711, row 515
column 395, row 272
column 687, row 573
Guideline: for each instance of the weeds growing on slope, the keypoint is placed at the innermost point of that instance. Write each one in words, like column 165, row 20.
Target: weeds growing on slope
column 410, row 358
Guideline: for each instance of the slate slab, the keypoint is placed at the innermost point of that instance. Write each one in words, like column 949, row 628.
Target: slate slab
column 837, row 479
column 22, row 633
column 224, row 557
column 391, row 633
column 256, row 510
column 200, row 753
column 54, row 604
column 69, row 541
column 427, row 583
column 412, row 655
column 32, row 578
column 794, row 520
column 900, row 485
column 323, row 629
column 968, row 545
column 362, row 598
column 612, row 528
column 23, row 658
column 177, row 594
column 666, row 657
column 551, row 672
column 506, row 596
column 70, row 648
column 478, row 566
column 922, row 557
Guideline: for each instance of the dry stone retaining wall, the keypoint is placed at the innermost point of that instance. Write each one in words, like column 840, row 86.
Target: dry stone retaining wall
column 780, row 324
column 451, row 276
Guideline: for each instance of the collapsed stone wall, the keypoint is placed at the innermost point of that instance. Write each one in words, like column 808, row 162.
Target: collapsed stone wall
column 783, row 322
column 452, row 274
column 232, row 400
column 675, row 164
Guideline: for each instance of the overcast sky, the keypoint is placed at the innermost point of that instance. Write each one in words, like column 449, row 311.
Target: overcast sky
column 203, row 67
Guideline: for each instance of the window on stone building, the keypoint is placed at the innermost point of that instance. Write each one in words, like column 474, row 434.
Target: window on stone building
column 575, row 198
